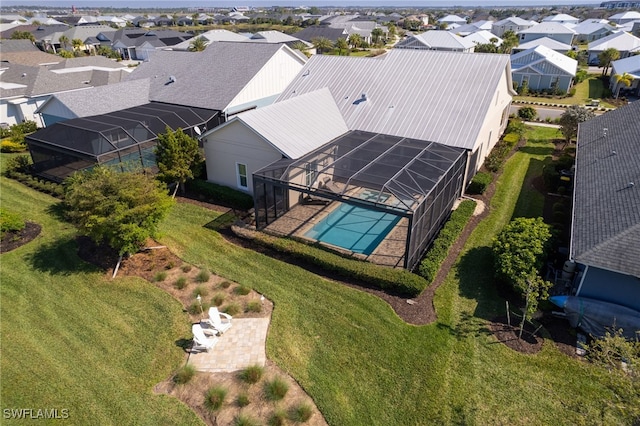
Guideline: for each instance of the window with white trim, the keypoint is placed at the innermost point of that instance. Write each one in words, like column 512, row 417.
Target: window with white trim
column 241, row 172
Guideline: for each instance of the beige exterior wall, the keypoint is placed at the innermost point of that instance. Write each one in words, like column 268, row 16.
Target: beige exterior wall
column 235, row 143
column 272, row 79
column 496, row 119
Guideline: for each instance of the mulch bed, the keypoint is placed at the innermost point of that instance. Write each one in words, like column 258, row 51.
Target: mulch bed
column 13, row 240
column 508, row 335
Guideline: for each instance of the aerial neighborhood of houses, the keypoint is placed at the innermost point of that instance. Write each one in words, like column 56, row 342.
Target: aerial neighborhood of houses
column 401, row 132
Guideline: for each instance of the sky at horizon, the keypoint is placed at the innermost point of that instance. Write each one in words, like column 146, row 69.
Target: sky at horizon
column 293, row 3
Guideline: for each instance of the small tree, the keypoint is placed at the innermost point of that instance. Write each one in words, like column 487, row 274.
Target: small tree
column 377, row 36
column 177, row 156
column 355, row 40
column 570, row 119
column 322, row 44
column 606, row 57
column 120, row 209
column 341, row 44
column 519, row 253
column 624, row 79
column 198, row 44
column 19, row 35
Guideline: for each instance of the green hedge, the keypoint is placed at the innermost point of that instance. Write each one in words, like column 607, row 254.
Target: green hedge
column 42, row 185
column 479, row 183
column 448, row 235
column 396, row 281
column 8, row 145
column 221, row 194
column 498, row 155
column 10, row 221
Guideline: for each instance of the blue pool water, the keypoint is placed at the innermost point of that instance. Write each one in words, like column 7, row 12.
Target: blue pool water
column 354, row 228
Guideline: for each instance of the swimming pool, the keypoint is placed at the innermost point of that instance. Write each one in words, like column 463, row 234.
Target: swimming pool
column 354, row 228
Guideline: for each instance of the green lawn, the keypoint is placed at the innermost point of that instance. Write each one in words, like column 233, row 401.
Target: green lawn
column 355, row 357
column 591, row 88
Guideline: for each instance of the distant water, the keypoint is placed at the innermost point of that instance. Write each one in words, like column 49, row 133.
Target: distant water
column 143, row 4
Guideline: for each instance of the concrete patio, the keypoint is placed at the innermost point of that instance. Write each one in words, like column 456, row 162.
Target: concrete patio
column 239, row 347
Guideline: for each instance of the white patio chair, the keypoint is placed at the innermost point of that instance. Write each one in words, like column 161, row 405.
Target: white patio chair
column 219, row 321
column 200, row 339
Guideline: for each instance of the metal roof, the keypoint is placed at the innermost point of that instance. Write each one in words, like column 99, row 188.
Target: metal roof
column 438, row 40
column 208, row 79
column 548, row 28
column 422, row 94
column 398, row 172
column 298, row 125
column 630, row 65
column 538, row 56
column 606, row 214
column 622, row 41
column 546, row 42
column 483, row 37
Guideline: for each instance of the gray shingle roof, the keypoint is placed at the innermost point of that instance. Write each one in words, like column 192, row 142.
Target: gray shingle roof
column 312, row 32
column 209, row 79
column 423, row 94
column 606, row 222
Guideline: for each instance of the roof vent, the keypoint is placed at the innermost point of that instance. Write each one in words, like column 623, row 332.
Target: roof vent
column 24, row 74
column 630, row 185
column 604, row 132
column 172, row 79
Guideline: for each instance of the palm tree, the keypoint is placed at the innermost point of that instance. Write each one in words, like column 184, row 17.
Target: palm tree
column 509, row 41
column 341, row 44
column 355, row 40
column 606, row 57
column 622, row 79
column 198, row 44
column 376, row 36
column 194, row 19
column 77, row 44
column 322, row 44
column 64, row 40
column 299, row 45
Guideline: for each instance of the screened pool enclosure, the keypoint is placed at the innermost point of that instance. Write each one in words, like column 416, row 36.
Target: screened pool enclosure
column 398, row 192
column 122, row 137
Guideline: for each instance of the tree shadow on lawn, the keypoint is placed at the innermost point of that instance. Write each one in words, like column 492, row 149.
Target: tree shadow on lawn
column 59, row 257
column 475, row 273
column 58, row 211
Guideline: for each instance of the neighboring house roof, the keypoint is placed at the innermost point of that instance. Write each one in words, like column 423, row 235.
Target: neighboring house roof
column 114, row 97
column 298, row 125
column 211, row 36
column 537, row 59
column 606, row 213
column 437, row 40
column 630, row 65
column 81, row 32
column 483, row 37
column 622, row 41
column 315, row 31
column 271, row 37
column 21, row 45
column 472, row 27
column 546, row 42
column 386, row 95
column 37, row 81
column 625, row 16
column 137, row 37
column 513, row 20
column 88, row 62
column 560, row 17
column 209, row 79
column 452, row 19
column 548, row 28
column 588, row 27
column 30, row 58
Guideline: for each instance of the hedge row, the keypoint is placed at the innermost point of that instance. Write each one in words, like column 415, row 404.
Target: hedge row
column 221, row 194
column 448, row 235
column 36, row 183
column 499, row 153
column 479, row 183
column 396, row 281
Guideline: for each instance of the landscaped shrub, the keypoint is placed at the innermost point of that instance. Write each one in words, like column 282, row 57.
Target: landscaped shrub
column 184, row 374
column 10, row 222
column 9, row 145
column 499, row 153
column 203, row 276
column 232, row 309
column 301, row 412
column 242, row 290
column 398, row 281
column 480, row 183
column 214, row 398
column 225, row 284
column 527, row 113
column 160, row 276
column 181, row 283
column 18, row 163
column 252, row 374
column 278, row 418
column 245, row 420
column 218, row 299
column 448, row 235
column 254, row 306
column 196, row 308
column 200, row 290
column 221, row 194
column 276, row 389
column 242, row 400
column 186, row 268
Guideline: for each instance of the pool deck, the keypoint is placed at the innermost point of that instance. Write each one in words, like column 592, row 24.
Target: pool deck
column 297, row 221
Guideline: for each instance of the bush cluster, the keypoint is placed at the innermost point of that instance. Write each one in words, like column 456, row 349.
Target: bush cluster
column 9, row 146
column 42, row 185
column 10, row 222
column 221, row 194
column 448, row 235
column 399, row 281
column 479, row 183
column 498, row 155
column 19, row 129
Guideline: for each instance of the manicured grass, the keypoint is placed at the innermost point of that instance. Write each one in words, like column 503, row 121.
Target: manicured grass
column 72, row 339
column 355, row 357
column 591, row 88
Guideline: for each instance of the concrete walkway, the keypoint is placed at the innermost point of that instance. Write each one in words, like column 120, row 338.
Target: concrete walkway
column 239, row 347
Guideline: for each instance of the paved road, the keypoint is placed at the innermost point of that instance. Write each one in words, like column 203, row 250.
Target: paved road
column 543, row 112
